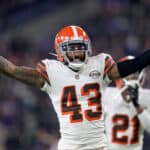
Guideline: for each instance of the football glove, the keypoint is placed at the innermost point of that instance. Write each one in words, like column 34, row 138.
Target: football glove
column 131, row 94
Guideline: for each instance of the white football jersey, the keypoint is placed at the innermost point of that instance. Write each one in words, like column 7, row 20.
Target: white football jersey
column 77, row 99
column 124, row 129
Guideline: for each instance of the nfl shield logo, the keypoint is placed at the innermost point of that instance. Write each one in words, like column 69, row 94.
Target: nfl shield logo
column 77, row 76
column 95, row 74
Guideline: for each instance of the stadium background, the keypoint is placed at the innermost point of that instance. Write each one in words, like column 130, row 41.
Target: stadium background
column 27, row 31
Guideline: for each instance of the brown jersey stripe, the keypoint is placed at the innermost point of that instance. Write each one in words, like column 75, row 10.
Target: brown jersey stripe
column 108, row 68
column 41, row 66
column 43, row 74
column 42, row 70
column 109, row 62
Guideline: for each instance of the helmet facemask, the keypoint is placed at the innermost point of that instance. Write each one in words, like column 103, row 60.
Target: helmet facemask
column 75, row 53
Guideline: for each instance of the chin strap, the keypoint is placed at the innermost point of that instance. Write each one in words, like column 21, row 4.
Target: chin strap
column 75, row 66
column 53, row 54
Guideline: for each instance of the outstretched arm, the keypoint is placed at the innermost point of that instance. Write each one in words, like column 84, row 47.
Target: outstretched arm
column 122, row 69
column 24, row 74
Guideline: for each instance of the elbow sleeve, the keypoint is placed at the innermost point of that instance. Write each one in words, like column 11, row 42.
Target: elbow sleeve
column 130, row 66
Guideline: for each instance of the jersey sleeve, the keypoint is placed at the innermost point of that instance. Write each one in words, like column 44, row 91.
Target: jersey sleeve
column 109, row 62
column 144, row 98
column 41, row 69
column 144, row 101
column 144, row 118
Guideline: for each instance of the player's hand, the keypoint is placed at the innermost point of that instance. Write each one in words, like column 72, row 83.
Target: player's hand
column 131, row 94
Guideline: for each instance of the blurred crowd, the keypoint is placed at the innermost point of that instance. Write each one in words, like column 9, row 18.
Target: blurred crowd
column 18, row 12
column 27, row 118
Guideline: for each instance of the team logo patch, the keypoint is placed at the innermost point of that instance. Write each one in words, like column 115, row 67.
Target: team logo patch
column 95, row 74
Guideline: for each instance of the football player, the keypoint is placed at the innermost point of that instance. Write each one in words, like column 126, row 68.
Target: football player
column 75, row 82
column 126, row 113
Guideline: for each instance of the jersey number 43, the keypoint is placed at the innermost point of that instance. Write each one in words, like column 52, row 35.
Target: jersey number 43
column 70, row 105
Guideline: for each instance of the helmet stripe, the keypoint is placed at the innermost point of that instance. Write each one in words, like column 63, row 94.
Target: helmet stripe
column 75, row 31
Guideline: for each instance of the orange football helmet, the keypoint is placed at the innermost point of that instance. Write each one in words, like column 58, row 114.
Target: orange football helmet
column 72, row 39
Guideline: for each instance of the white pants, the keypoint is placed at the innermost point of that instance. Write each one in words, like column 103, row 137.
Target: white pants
column 68, row 146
